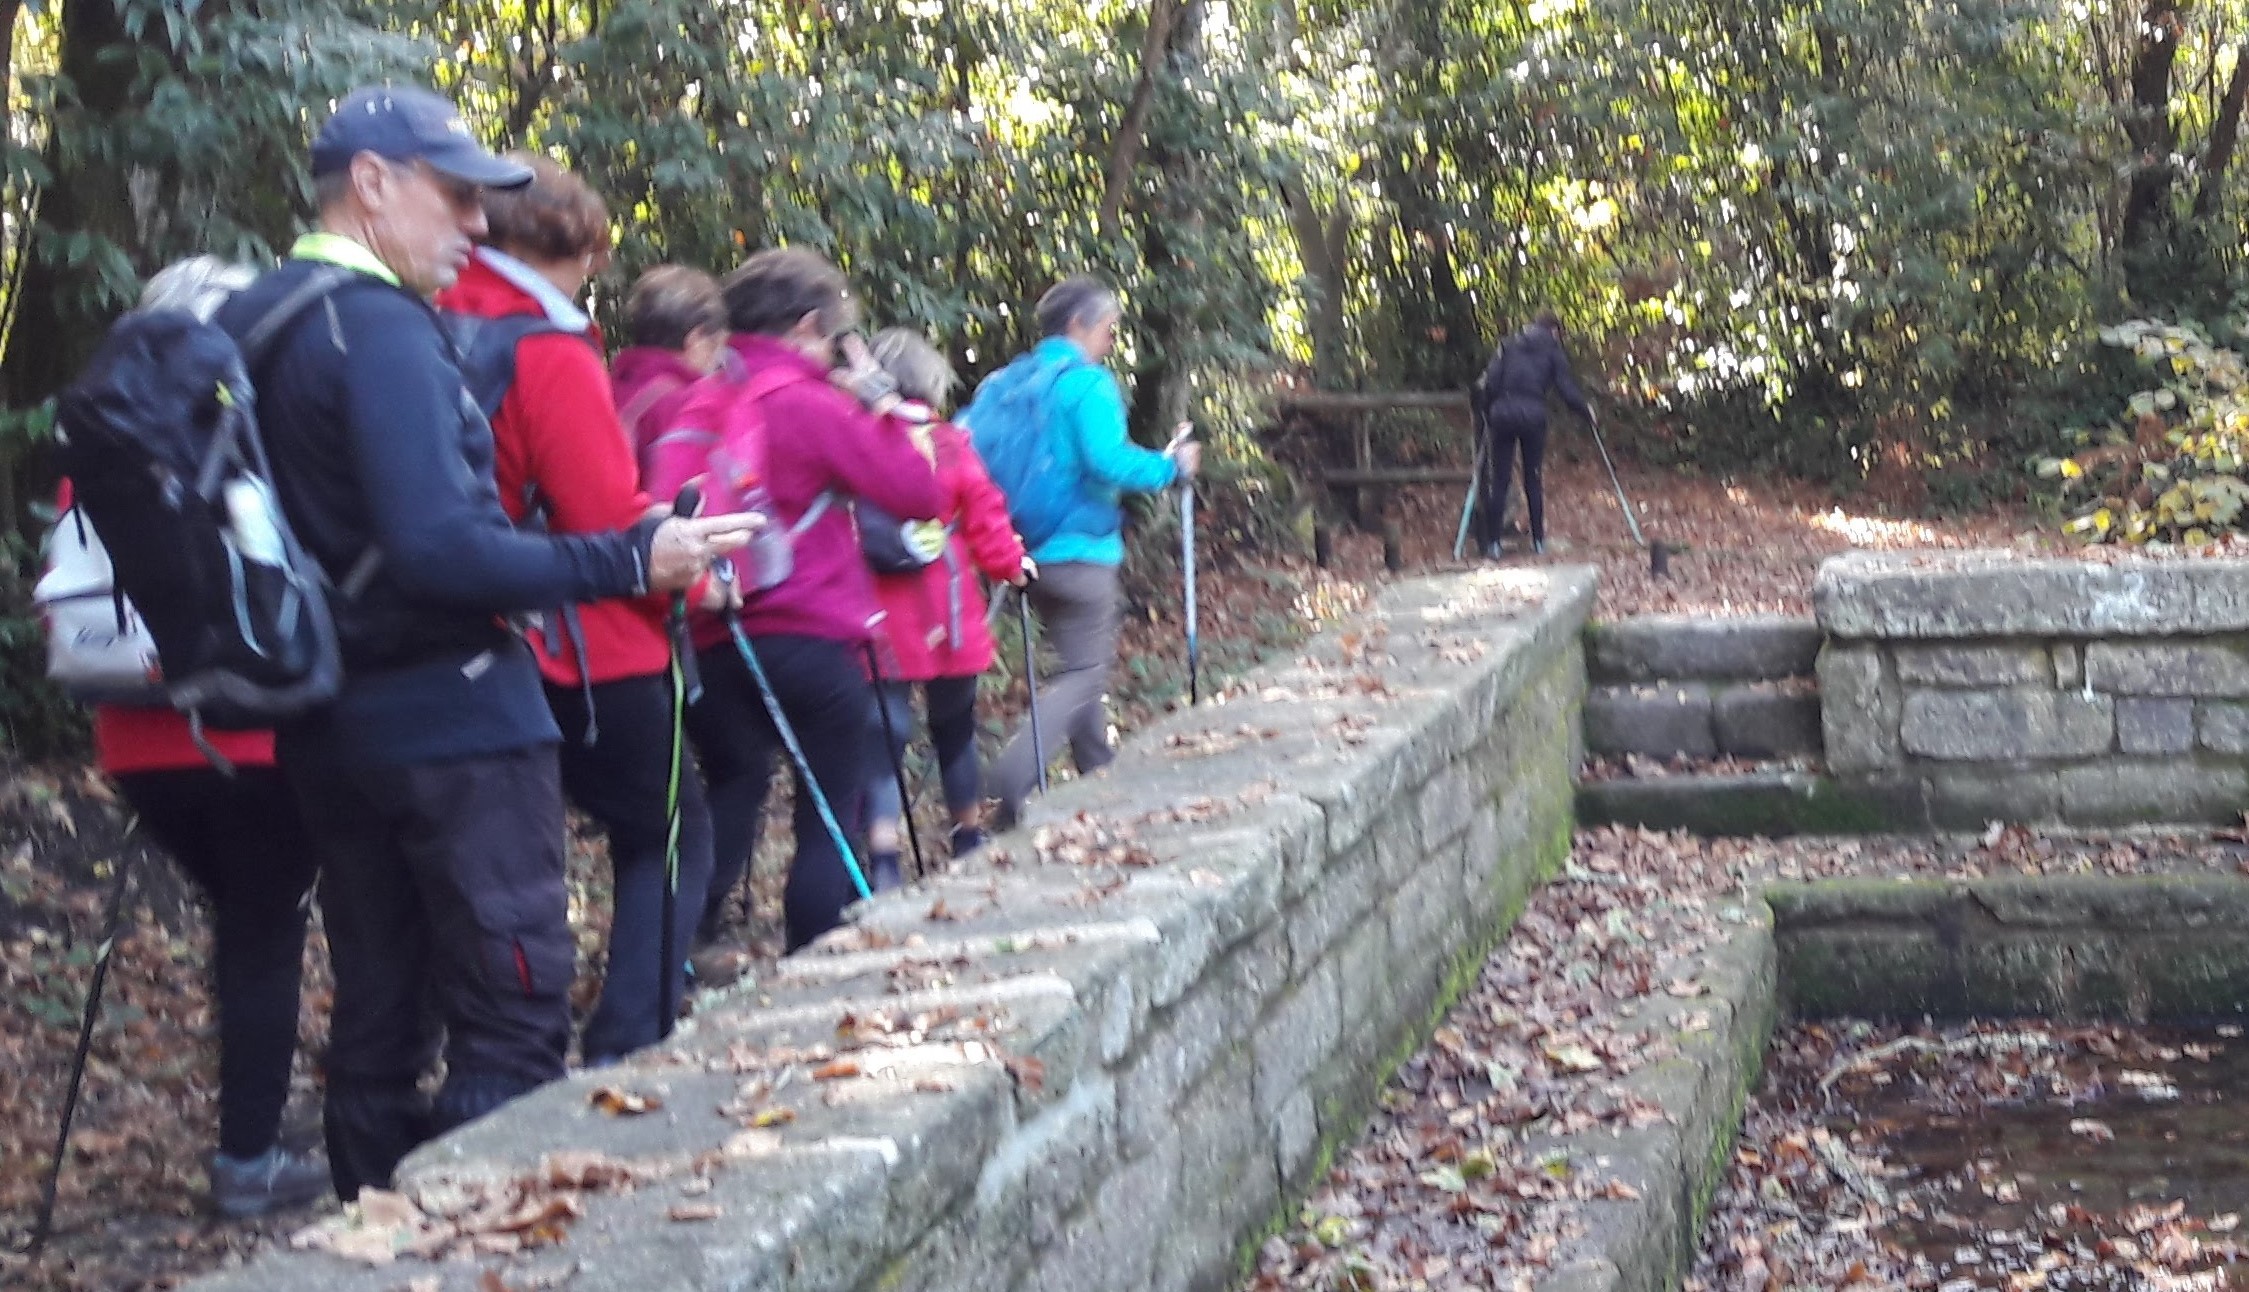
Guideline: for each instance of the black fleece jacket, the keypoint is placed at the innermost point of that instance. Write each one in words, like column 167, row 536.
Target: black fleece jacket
column 1529, row 364
column 374, row 450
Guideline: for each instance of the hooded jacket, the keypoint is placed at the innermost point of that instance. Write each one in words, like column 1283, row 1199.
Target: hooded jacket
column 819, row 442
column 558, row 446
column 933, row 618
column 1529, row 364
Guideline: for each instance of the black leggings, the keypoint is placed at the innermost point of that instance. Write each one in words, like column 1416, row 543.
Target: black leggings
column 1508, row 432
column 240, row 839
column 825, row 697
column 622, row 780
column 952, row 731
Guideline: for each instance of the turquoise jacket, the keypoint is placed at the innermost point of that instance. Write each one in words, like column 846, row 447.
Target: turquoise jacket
column 1088, row 409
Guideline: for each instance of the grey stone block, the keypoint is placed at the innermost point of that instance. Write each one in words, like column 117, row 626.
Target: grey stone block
column 2203, row 668
column 1447, row 802
column 1198, row 1032
column 1652, row 648
column 2222, row 726
column 1294, row 1039
column 1968, row 797
column 1859, row 704
column 1862, row 595
column 1982, row 664
column 1998, row 726
column 1228, row 1173
column 1054, row 1160
column 1296, row 1138
column 1769, row 804
column 1761, row 722
column 1110, row 1243
column 1659, row 720
column 2171, row 791
column 2069, row 666
column 2145, row 726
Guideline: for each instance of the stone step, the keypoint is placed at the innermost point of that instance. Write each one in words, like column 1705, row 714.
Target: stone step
column 1698, row 720
column 1682, row 648
column 1767, row 804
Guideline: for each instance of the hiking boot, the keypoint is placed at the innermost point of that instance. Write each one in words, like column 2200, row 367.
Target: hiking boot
column 243, row 1188
column 1493, row 551
column 882, row 873
column 1538, row 547
column 967, row 839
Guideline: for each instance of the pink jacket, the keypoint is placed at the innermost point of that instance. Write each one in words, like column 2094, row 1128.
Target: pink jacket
column 933, row 619
column 819, row 441
column 652, row 384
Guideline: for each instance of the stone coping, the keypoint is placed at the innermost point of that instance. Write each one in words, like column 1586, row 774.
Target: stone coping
column 1935, row 595
column 1033, row 1053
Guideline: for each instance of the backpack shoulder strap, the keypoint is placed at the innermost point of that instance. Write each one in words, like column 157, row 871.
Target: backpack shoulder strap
column 259, row 340
column 652, row 394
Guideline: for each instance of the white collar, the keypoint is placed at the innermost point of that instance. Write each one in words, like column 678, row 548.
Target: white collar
column 560, row 309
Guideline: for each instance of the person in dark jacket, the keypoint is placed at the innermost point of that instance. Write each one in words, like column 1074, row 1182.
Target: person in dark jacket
column 1527, row 366
column 562, row 458
column 430, row 784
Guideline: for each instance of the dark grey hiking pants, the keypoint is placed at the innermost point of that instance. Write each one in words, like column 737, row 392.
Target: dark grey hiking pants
column 1076, row 603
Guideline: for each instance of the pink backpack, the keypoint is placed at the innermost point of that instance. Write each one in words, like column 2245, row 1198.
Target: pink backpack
column 720, row 436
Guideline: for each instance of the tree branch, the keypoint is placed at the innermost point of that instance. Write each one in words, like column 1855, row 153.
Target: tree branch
column 1124, row 153
column 2225, row 133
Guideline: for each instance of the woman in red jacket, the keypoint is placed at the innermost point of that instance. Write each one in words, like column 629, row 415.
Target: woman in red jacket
column 240, row 839
column 562, row 461
column 933, row 630
column 788, row 309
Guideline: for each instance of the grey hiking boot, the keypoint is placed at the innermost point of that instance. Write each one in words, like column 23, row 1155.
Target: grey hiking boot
column 242, row 1188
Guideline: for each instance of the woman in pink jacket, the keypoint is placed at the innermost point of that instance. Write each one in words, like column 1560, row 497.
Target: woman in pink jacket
column 933, row 630
column 789, row 310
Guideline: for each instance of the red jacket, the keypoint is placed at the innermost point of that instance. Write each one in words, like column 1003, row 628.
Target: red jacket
column 933, row 619
column 557, row 433
column 129, row 739
column 652, row 383
column 819, row 440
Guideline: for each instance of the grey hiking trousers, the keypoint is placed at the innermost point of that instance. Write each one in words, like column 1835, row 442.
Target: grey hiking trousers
column 1076, row 603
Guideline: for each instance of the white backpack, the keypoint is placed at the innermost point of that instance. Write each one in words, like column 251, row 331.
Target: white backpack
column 98, row 650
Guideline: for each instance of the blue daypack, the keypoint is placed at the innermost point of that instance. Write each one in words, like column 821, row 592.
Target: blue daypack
column 1010, row 422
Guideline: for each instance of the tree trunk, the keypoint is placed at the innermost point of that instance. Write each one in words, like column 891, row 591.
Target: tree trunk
column 1159, row 395
column 2225, row 134
column 1124, row 150
column 1322, row 239
column 2150, row 128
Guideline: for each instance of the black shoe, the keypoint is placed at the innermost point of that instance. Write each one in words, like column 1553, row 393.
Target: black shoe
column 967, row 839
column 242, row 1188
column 1538, row 547
column 1493, row 552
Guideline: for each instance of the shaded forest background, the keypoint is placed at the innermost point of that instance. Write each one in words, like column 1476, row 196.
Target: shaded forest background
column 1873, row 243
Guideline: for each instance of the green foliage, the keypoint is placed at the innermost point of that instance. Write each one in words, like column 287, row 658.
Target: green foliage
column 2174, row 467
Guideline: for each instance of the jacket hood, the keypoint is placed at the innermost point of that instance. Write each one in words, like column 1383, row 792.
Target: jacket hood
column 636, row 364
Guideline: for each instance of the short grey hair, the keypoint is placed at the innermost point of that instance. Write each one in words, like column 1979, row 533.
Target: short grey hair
column 1081, row 300
column 921, row 371
column 198, row 285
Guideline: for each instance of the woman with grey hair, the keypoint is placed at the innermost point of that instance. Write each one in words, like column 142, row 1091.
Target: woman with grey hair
column 240, row 839
column 933, row 633
column 1078, row 545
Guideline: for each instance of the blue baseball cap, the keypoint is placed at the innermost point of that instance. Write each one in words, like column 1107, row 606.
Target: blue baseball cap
column 408, row 123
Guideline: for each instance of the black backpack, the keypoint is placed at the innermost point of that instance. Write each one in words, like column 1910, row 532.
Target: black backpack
column 159, row 437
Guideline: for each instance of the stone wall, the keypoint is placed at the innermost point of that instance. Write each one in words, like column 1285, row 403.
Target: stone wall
column 1104, row 1055
column 1974, row 687
column 1668, row 686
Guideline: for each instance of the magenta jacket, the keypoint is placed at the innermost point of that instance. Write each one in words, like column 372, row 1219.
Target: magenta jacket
column 819, row 441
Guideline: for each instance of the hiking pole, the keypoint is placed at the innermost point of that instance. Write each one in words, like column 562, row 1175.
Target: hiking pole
column 897, row 761
column 1595, row 426
column 1468, row 504
column 1187, row 564
column 789, row 742
column 1476, row 466
column 686, row 687
column 44, row 1224
column 1031, row 682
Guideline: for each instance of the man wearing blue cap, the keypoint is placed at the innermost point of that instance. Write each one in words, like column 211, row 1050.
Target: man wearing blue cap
column 430, row 785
